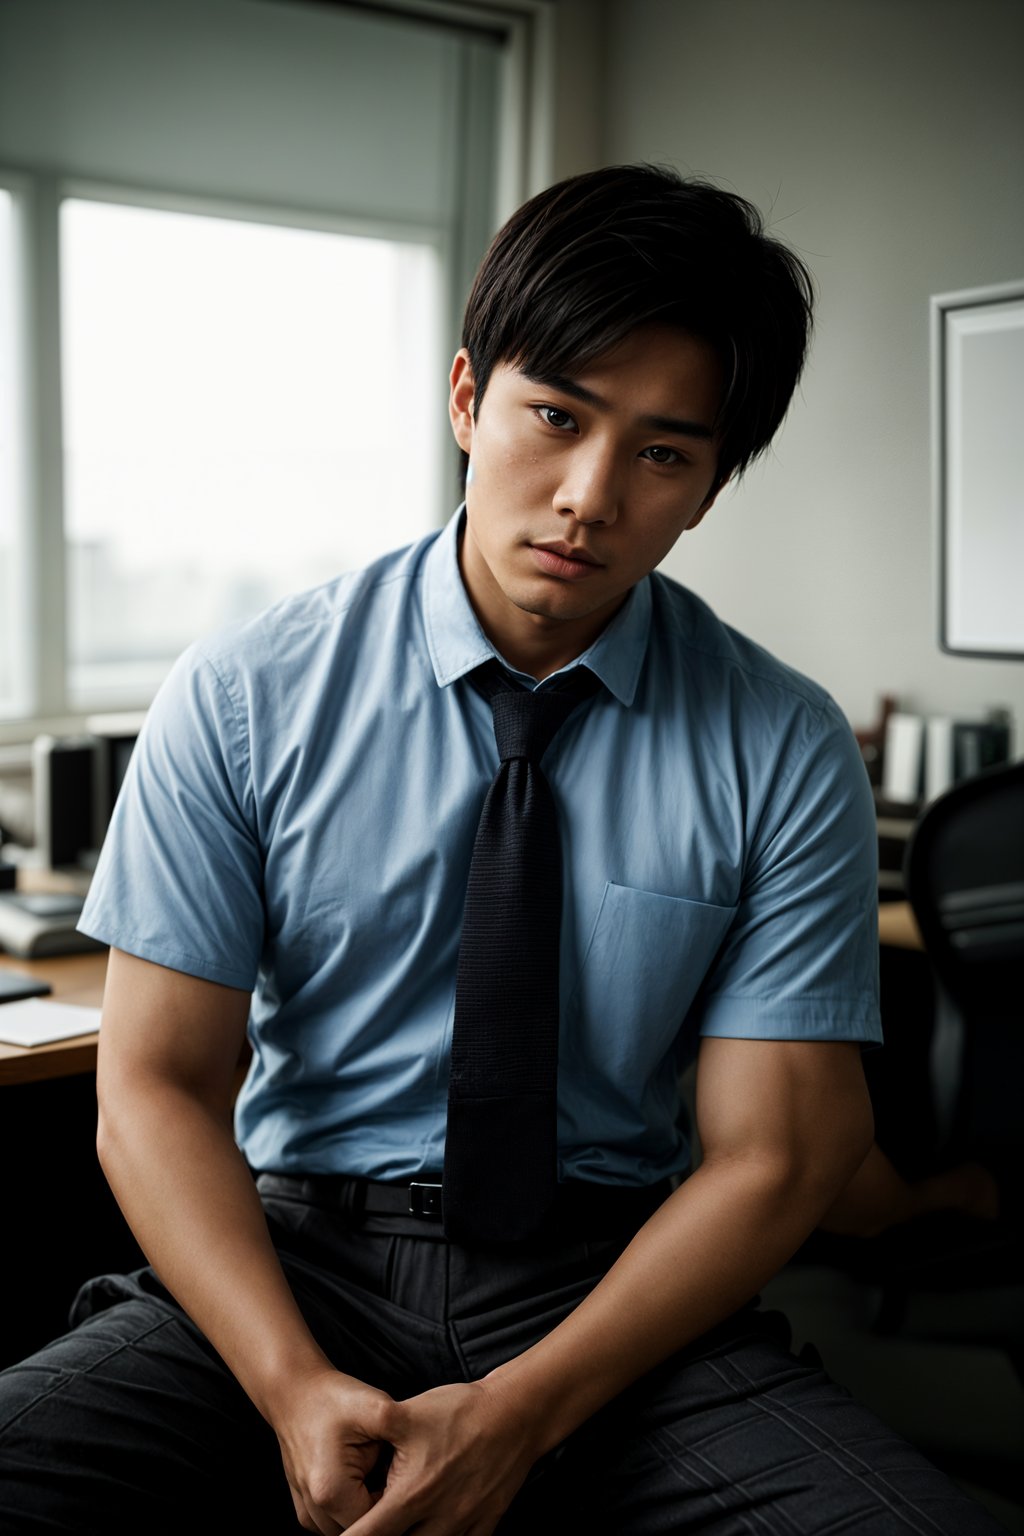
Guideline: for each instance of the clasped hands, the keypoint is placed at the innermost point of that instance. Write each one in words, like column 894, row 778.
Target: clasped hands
column 459, row 1455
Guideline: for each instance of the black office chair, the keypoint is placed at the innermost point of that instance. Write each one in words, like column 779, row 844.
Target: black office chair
column 946, row 1282
column 964, row 877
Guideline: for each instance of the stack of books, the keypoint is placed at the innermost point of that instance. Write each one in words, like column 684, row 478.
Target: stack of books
column 924, row 755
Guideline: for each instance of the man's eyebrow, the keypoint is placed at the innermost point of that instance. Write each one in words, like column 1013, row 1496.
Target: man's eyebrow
column 679, row 426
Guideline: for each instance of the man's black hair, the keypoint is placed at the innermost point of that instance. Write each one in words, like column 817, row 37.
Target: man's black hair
column 585, row 262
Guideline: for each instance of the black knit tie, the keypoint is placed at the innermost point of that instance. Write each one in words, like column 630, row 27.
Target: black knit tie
column 500, row 1165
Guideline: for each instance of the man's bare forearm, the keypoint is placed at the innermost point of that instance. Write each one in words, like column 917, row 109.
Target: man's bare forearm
column 706, row 1252
column 168, row 1055
column 783, row 1125
column 185, row 1189
column 188, row 1196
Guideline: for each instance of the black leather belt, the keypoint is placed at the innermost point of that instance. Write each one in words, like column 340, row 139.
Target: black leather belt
column 581, row 1209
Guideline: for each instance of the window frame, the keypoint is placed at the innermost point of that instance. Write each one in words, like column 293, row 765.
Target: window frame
column 42, row 624
column 524, row 158
column 19, row 187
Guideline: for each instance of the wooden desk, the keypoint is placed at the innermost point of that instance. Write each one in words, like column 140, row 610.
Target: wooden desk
column 897, row 925
column 74, row 979
column 64, row 1223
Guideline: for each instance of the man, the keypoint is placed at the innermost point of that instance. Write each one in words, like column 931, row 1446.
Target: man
column 292, row 849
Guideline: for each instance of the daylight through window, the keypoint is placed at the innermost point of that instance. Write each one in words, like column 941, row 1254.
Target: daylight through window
column 248, row 409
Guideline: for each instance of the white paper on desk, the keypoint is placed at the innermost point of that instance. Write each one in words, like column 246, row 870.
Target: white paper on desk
column 36, row 1022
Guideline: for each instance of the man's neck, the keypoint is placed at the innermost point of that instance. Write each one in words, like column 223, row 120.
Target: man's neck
column 536, row 645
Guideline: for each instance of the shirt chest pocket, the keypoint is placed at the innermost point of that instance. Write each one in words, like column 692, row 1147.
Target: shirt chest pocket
column 644, row 962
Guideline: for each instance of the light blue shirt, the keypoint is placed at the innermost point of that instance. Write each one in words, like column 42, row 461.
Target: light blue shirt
column 298, row 819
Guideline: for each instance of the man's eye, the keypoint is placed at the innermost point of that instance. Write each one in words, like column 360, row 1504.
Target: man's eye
column 659, row 455
column 553, row 417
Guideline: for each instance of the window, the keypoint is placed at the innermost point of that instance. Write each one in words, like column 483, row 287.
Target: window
column 248, row 409
column 9, row 435
column 208, row 222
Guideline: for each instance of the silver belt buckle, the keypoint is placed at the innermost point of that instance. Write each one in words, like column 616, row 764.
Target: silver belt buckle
column 425, row 1200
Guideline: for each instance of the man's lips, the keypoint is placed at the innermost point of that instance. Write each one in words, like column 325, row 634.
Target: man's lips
column 566, row 560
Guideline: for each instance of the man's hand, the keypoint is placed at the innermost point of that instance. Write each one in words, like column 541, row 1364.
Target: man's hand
column 332, row 1432
column 460, row 1454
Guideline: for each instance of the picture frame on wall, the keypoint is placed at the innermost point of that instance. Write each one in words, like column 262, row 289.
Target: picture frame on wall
column 977, row 363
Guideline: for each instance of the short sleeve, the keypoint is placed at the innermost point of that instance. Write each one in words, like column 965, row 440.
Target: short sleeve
column 800, row 960
column 179, row 877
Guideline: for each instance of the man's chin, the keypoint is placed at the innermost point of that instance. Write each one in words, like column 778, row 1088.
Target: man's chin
column 563, row 603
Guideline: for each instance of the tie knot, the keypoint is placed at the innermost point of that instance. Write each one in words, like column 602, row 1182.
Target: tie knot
column 525, row 721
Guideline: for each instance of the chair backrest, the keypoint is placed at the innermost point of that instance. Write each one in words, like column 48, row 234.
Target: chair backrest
column 964, row 877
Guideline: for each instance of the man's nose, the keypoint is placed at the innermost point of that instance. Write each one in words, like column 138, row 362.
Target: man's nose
column 591, row 487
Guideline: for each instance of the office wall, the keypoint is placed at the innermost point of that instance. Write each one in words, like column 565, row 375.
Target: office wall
column 579, row 95
column 885, row 140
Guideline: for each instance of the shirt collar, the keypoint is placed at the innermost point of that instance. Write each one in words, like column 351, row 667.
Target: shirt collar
column 457, row 644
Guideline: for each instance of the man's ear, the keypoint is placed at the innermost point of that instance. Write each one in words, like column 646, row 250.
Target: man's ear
column 460, row 400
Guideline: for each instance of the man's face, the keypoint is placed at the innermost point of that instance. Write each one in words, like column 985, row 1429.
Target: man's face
column 578, row 487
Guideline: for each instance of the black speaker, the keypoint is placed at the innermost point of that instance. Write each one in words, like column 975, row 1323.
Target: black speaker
column 66, row 785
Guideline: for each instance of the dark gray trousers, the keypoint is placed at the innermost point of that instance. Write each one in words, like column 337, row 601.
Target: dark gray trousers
column 131, row 1423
